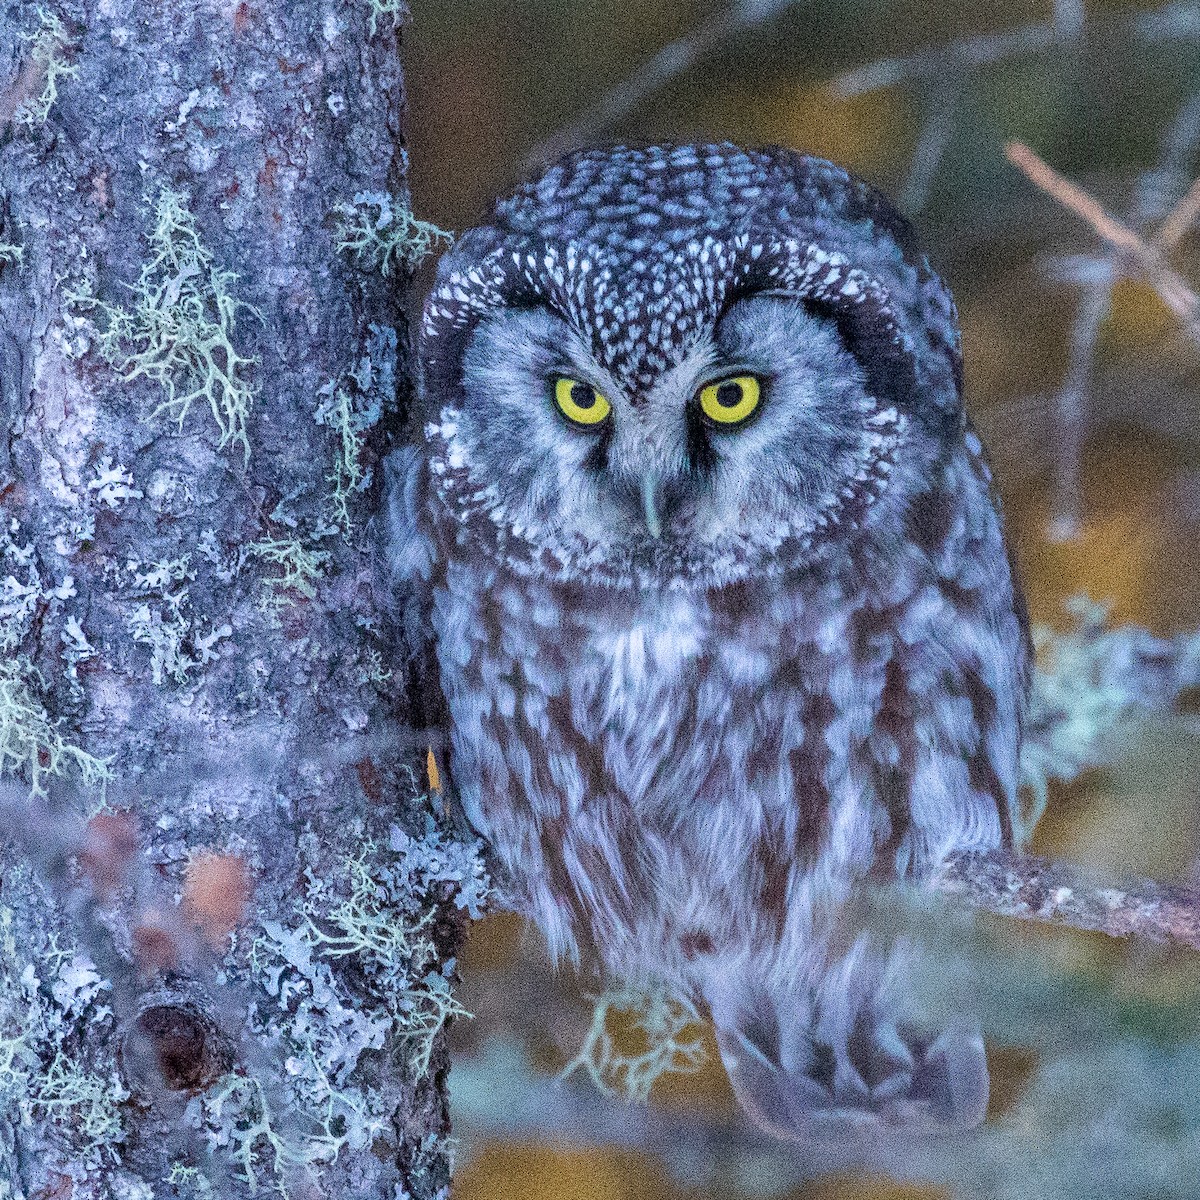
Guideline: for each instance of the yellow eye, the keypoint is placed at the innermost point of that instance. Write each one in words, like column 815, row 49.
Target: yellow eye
column 731, row 401
column 580, row 403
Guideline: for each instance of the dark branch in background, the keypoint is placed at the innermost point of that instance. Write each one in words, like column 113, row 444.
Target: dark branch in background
column 668, row 64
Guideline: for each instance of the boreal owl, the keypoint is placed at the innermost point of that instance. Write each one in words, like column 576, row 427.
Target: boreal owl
column 724, row 616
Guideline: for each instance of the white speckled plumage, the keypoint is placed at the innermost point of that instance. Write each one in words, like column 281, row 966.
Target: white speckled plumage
column 687, row 749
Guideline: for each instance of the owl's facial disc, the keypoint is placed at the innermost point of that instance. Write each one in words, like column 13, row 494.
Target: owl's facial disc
column 756, row 441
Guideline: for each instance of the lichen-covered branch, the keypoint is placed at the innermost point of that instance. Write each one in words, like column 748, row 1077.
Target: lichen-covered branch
column 1092, row 680
column 1022, row 885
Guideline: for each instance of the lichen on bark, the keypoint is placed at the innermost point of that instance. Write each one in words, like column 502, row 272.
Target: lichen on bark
column 177, row 1013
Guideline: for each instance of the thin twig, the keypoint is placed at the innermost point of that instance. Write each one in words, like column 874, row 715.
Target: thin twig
column 1069, row 16
column 1180, row 219
column 1173, row 22
column 1160, row 188
column 1066, row 518
column 955, row 58
column 1174, row 291
column 668, row 64
column 942, row 108
column 1073, row 198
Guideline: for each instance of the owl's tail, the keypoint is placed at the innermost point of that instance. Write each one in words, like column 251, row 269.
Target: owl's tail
column 837, row 1047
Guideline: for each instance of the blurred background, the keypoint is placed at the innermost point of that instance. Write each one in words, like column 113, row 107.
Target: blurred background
column 1083, row 380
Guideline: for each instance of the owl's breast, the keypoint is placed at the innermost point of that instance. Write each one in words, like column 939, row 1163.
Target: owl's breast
column 618, row 748
column 634, row 697
column 648, row 765
column 605, row 691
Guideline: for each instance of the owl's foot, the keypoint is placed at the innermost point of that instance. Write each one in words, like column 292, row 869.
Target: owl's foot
column 942, row 1083
column 840, row 1056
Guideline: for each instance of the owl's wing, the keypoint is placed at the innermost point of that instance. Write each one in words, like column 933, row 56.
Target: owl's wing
column 408, row 551
column 834, row 1048
column 407, row 547
column 405, row 533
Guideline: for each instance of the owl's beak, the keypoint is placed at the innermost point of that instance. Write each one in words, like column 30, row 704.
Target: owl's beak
column 650, row 505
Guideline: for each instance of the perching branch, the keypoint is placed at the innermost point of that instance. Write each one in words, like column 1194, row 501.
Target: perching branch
column 1038, row 889
column 1090, row 681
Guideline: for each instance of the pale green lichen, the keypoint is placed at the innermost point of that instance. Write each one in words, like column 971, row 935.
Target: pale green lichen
column 396, row 952
column 351, row 407
column 18, row 607
column 360, row 924
column 22, row 590
column 179, row 645
column 374, row 915
column 346, row 477
column 50, row 40
column 48, row 991
column 239, row 1119
column 393, row 11
column 299, row 570
column 32, row 745
column 381, row 230
column 11, row 254
column 84, row 1102
column 191, row 1181
column 267, row 1147
column 18, row 1059
column 662, row 1032
column 350, row 969
column 178, row 329
column 371, row 669
column 1090, row 681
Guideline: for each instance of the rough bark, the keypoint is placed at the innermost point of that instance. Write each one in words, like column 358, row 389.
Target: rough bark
column 1037, row 889
column 224, row 966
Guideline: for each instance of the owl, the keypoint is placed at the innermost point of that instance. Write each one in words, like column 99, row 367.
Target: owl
column 723, row 611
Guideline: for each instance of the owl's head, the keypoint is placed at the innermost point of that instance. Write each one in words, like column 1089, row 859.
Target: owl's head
column 682, row 365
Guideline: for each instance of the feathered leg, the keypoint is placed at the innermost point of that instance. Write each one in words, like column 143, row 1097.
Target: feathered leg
column 834, row 1043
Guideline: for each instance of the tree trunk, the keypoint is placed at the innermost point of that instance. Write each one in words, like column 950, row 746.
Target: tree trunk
column 228, row 908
